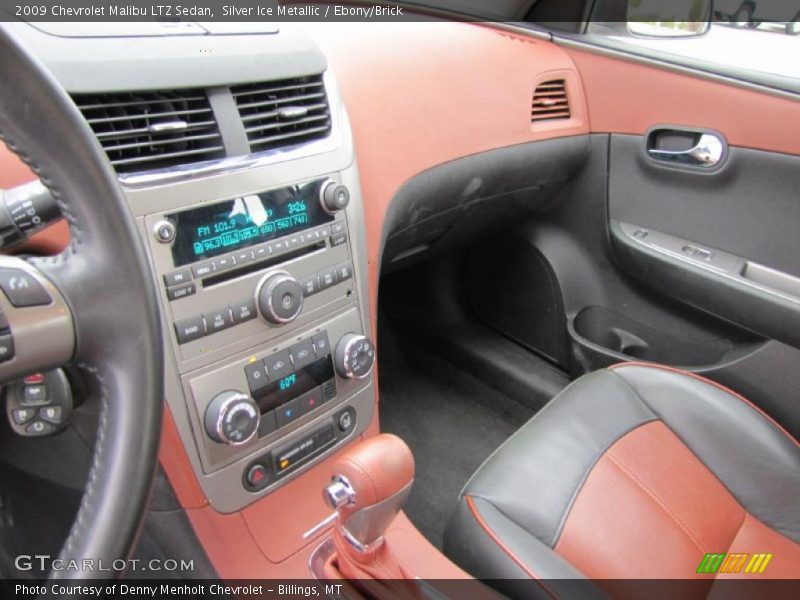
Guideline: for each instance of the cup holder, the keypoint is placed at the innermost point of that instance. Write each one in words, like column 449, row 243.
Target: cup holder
column 601, row 337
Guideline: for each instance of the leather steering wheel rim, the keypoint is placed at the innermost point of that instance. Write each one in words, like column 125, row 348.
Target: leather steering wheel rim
column 105, row 280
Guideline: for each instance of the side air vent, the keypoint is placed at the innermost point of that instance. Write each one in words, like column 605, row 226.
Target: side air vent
column 282, row 113
column 141, row 131
column 550, row 101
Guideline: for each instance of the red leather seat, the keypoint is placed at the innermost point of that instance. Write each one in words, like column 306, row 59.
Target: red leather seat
column 637, row 471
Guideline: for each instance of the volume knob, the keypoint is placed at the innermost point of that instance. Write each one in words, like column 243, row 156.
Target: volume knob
column 279, row 297
column 232, row 418
column 354, row 356
column 334, row 197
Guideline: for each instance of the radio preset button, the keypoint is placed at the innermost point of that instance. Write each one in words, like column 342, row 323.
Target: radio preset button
column 321, row 344
column 218, row 320
column 191, row 329
column 262, row 252
column 325, row 232
column 257, row 379
column 278, row 365
column 178, row 277
column 243, row 257
column 303, row 354
column 280, row 246
column 243, row 311
column 203, row 270
column 181, row 291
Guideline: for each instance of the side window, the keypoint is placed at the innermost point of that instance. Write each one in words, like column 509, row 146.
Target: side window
column 749, row 39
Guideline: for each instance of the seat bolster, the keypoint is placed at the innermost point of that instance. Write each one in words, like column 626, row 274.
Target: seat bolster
column 489, row 545
column 757, row 461
column 534, row 477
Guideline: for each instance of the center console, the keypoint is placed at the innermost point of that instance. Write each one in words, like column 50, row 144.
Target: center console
column 235, row 153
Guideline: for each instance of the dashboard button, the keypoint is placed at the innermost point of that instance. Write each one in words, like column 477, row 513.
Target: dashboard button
column 268, row 424
column 218, row 320
column 262, row 252
column 338, row 240
column 243, row 311
column 203, row 270
column 278, row 365
column 223, row 262
column 321, row 344
column 327, row 279
column 22, row 289
column 257, row 476
column 287, row 413
column 245, row 256
column 257, row 380
column 178, row 277
column 303, row 354
column 310, row 400
column 344, row 272
column 181, row 291
column 310, row 285
column 337, row 228
column 188, row 330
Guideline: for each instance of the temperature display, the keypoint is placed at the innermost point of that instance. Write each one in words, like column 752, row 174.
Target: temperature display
column 241, row 222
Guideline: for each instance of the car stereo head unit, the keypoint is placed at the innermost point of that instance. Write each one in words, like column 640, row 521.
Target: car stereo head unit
column 231, row 225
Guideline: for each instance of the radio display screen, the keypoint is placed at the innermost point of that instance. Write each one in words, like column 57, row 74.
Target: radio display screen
column 232, row 225
column 294, row 385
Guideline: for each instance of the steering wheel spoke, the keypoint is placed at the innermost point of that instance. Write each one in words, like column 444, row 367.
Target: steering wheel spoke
column 36, row 327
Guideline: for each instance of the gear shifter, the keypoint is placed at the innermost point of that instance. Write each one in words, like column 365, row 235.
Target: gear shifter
column 371, row 482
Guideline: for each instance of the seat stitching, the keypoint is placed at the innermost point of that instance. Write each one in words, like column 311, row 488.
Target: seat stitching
column 658, row 501
column 500, row 544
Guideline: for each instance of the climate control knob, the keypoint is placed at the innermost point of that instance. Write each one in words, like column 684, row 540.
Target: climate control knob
column 333, row 197
column 279, row 297
column 354, row 356
column 232, row 418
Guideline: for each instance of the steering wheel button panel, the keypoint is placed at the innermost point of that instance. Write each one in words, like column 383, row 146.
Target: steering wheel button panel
column 22, row 289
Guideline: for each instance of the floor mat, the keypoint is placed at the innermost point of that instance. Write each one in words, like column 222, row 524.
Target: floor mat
column 451, row 421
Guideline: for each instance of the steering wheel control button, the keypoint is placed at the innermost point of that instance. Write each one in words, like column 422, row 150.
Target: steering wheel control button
column 279, row 297
column 354, row 356
column 181, row 291
column 243, row 311
column 6, row 347
column 22, row 289
column 334, row 197
column 34, row 379
column 278, row 365
column 188, row 330
column 34, row 395
column 231, row 418
column 51, row 414
column 164, row 231
column 22, row 415
column 38, row 428
column 303, row 354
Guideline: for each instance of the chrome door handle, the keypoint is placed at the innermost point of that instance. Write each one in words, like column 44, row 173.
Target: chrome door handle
column 706, row 153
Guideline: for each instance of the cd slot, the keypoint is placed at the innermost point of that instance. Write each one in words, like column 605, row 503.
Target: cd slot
column 246, row 269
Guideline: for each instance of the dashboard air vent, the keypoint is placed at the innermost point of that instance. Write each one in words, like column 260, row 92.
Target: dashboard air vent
column 153, row 129
column 550, row 101
column 282, row 113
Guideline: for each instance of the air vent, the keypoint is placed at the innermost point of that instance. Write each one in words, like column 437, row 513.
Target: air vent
column 550, row 101
column 282, row 113
column 142, row 131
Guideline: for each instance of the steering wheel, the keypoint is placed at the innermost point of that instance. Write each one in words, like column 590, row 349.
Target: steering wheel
column 93, row 306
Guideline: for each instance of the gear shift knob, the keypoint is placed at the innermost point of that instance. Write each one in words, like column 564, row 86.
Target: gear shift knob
column 371, row 482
